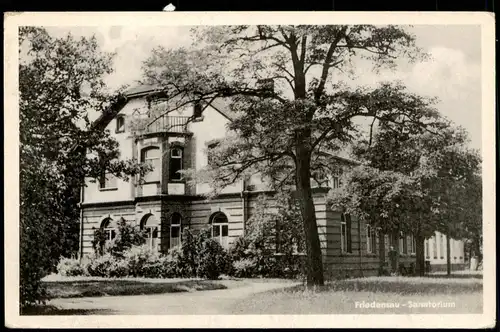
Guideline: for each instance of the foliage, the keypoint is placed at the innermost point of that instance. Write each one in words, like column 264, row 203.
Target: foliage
column 128, row 235
column 313, row 110
column 245, row 268
column 99, row 241
column 174, row 265
column 186, row 257
column 107, row 266
column 60, row 80
column 272, row 241
column 415, row 183
column 138, row 257
column 212, row 261
column 70, row 267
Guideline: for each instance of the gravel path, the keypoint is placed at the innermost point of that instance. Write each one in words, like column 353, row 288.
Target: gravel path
column 191, row 303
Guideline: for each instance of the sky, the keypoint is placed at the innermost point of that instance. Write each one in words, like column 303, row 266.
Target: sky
column 453, row 74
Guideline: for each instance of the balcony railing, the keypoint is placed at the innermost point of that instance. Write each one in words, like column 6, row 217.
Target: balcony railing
column 175, row 124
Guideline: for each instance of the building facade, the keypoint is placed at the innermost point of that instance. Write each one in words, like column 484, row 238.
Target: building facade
column 163, row 202
column 435, row 252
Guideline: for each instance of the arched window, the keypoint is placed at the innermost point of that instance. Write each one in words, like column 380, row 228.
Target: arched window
column 150, row 225
column 175, row 229
column 220, row 228
column 176, row 163
column 151, row 155
column 109, row 228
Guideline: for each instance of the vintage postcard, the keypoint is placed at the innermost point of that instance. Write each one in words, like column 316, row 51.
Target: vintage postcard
column 250, row 169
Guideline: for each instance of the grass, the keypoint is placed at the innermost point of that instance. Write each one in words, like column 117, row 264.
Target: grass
column 78, row 287
column 121, row 287
column 394, row 295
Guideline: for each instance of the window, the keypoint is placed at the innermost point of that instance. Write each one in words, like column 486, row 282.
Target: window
column 175, row 230
column 403, row 249
column 197, row 110
column 434, row 246
column 335, row 182
column 107, row 181
column 345, row 233
column 150, row 225
column 220, row 228
column 120, row 124
column 413, row 244
column 175, row 164
column 426, row 248
column 151, row 155
column 371, row 239
column 109, row 229
column 441, row 246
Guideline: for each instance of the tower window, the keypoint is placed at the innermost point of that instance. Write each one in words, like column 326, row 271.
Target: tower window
column 176, row 164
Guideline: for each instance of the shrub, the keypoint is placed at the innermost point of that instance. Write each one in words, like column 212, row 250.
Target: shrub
column 213, row 260
column 271, row 241
column 98, row 241
column 118, row 268
column 100, row 266
column 175, row 264
column 383, row 271
column 156, row 268
column 185, row 258
column 128, row 235
column 137, row 257
column 245, row 268
column 239, row 249
column 70, row 267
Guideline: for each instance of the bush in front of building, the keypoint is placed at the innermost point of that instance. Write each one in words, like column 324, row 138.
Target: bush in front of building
column 198, row 256
column 213, row 260
column 245, row 268
column 107, row 266
column 128, row 236
column 272, row 242
column 70, row 267
column 140, row 257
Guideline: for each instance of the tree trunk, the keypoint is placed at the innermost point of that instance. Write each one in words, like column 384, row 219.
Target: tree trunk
column 420, row 255
column 448, row 255
column 303, row 180
column 395, row 236
column 477, row 252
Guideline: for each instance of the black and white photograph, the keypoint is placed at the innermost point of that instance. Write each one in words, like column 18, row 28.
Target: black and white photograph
column 198, row 168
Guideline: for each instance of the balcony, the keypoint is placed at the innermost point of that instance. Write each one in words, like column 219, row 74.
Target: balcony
column 171, row 124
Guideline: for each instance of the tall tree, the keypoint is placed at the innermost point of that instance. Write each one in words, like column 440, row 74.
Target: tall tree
column 292, row 110
column 60, row 80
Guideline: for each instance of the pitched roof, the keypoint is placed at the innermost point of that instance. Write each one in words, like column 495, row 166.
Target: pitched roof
column 219, row 104
column 141, row 90
column 222, row 106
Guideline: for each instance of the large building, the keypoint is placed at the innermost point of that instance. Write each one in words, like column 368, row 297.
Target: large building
column 162, row 202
